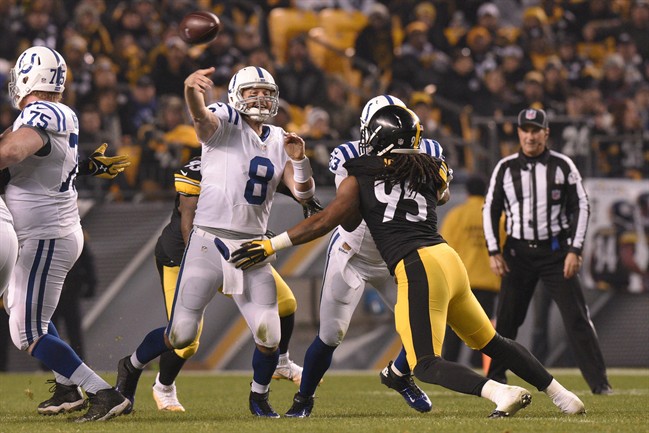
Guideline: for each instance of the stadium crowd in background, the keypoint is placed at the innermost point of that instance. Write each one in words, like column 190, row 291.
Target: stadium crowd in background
column 585, row 62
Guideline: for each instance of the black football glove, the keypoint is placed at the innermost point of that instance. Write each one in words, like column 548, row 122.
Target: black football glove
column 102, row 166
column 252, row 253
column 311, row 207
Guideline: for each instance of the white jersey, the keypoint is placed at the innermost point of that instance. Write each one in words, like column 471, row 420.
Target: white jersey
column 360, row 241
column 240, row 173
column 41, row 194
column 5, row 215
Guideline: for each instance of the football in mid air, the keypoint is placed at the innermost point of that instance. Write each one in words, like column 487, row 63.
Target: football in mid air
column 199, row 27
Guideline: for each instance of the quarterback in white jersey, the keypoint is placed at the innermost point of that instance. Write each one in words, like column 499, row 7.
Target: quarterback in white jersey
column 41, row 155
column 353, row 262
column 243, row 161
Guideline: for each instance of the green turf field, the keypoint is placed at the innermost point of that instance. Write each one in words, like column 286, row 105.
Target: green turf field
column 346, row 402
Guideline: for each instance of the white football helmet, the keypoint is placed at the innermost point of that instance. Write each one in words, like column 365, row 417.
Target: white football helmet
column 253, row 77
column 372, row 106
column 37, row 68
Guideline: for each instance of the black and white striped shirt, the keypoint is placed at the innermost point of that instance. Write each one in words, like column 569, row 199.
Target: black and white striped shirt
column 542, row 198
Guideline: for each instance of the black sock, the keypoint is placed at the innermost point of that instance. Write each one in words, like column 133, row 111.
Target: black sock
column 519, row 360
column 170, row 366
column 286, row 326
column 450, row 375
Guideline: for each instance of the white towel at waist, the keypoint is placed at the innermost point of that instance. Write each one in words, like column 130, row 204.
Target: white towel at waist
column 233, row 278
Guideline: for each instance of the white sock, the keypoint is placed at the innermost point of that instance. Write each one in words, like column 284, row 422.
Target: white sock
column 62, row 379
column 554, row 388
column 136, row 363
column 88, row 379
column 259, row 389
column 396, row 371
column 283, row 358
column 159, row 384
column 490, row 390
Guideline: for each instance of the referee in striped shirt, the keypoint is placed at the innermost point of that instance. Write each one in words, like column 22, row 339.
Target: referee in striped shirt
column 546, row 209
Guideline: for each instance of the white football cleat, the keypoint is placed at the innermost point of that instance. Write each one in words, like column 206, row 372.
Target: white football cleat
column 288, row 370
column 509, row 400
column 165, row 396
column 569, row 403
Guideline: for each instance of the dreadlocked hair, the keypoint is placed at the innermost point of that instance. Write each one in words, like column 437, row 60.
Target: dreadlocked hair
column 414, row 170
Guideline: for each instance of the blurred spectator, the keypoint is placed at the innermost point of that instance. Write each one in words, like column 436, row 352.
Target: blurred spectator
column 129, row 59
column 624, row 153
column 494, row 97
column 596, row 19
column 301, row 81
column 172, row 66
column 480, row 42
column 374, row 45
column 318, row 126
column 79, row 61
column 263, row 58
column 343, row 115
column 142, row 105
column 111, row 110
column 628, row 50
column 247, row 39
column 488, row 17
column 641, row 98
column 88, row 24
column 459, row 86
column 418, row 62
column 165, row 146
column 284, row 118
column 426, row 12
column 422, row 104
column 575, row 136
column 613, row 84
column 223, row 56
column 531, row 93
column 514, row 66
column 7, row 115
column 172, row 11
column 92, row 135
column 579, row 69
column 128, row 20
column 10, row 21
column 637, row 27
column 104, row 76
column 37, row 28
column 555, row 87
column 536, row 37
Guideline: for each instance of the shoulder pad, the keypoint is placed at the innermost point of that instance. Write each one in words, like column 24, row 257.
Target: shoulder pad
column 49, row 116
column 187, row 179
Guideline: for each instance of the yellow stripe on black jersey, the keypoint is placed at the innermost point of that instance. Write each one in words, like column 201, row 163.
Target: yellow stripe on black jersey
column 187, row 180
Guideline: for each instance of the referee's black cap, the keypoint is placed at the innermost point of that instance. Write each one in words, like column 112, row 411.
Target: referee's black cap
column 533, row 116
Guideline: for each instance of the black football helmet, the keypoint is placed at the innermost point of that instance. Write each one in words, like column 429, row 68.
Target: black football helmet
column 392, row 129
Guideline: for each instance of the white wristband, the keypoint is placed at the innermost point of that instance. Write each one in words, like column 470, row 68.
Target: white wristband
column 303, row 195
column 301, row 170
column 281, row 241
